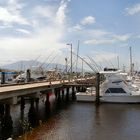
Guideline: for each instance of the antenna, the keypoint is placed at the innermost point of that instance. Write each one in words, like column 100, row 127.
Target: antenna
column 77, row 56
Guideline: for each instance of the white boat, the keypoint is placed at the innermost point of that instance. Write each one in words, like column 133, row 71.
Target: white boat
column 88, row 96
column 114, row 89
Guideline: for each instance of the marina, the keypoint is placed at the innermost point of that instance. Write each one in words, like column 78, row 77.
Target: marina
column 69, row 70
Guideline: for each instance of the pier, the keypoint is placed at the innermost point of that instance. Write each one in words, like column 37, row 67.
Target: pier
column 32, row 92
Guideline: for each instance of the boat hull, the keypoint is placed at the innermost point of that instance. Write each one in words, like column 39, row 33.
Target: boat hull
column 85, row 97
column 121, row 99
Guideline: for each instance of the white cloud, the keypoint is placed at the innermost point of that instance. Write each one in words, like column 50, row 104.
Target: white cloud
column 75, row 28
column 133, row 10
column 23, row 31
column 88, row 20
column 61, row 12
column 8, row 18
column 102, row 37
column 104, row 57
column 124, row 37
column 97, row 33
column 45, row 11
column 11, row 13
column 45, row 39
column 99, row 41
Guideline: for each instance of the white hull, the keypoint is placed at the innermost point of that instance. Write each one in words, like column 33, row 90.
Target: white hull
column 121, row 99
column 85, row 97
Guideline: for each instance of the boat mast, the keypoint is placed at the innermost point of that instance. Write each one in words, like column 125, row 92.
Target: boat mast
column 77, row 57
column 131, row 69
column 118, row 62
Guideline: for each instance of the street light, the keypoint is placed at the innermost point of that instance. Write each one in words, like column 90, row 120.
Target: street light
column 71, row 58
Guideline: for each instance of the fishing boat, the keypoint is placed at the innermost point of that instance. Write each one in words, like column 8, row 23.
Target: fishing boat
column 115, row 89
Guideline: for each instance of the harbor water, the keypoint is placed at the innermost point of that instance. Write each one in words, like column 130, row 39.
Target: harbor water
column 76, row 121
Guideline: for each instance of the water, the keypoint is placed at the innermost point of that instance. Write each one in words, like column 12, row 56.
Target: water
column 81, row 121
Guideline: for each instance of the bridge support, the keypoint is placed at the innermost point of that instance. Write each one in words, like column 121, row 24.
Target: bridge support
column 97, row 88
column 2, row 77
column 62, row 94
column 6, row 123
column 57, row 94
column 32, row 115
column 47, row 104
column 1, row 110
column 22, row 106
column 73, row 93
column 67, row 94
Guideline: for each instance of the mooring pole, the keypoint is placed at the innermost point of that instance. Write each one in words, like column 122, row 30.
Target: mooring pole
column 97, row 88
column 28, row 75
column 2, row 77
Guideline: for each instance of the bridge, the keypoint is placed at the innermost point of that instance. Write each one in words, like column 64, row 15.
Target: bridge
column 33, row 89
column 31, row 92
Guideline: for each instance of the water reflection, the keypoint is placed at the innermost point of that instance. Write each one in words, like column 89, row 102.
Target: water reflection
column 33, row 115
column 79, row 121
column 6, row 124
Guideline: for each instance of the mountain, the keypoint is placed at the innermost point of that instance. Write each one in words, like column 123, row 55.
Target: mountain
column 24, row 65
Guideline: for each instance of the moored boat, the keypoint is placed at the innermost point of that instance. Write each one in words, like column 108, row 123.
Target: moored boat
column 114, row 89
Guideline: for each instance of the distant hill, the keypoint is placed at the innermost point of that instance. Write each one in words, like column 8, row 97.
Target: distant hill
column 24, row 65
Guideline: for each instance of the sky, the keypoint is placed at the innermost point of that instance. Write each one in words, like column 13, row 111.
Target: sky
column 41, row 29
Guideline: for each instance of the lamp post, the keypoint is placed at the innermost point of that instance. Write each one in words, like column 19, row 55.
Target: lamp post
column 71, row 58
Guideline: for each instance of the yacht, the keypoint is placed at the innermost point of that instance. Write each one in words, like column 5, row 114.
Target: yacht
column 115, row 89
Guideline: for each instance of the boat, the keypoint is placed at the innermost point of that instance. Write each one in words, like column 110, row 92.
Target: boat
column 114, row 89
column 87, row 96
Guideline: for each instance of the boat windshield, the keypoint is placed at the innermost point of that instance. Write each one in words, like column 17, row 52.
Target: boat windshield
column 115, row 90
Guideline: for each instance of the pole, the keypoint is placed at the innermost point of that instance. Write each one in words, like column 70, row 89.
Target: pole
column 71, row 61
column 118, row 62
column 77, row 58
column 66, row 64
column 130, row 61
column 82, row 69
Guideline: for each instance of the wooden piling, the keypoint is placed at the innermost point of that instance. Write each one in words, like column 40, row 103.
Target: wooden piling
column 62, row 94
column 28, row 76
column 2, row 77
column 22, row 106
column 73, row 93
column 67, row 95
column 97, row 89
